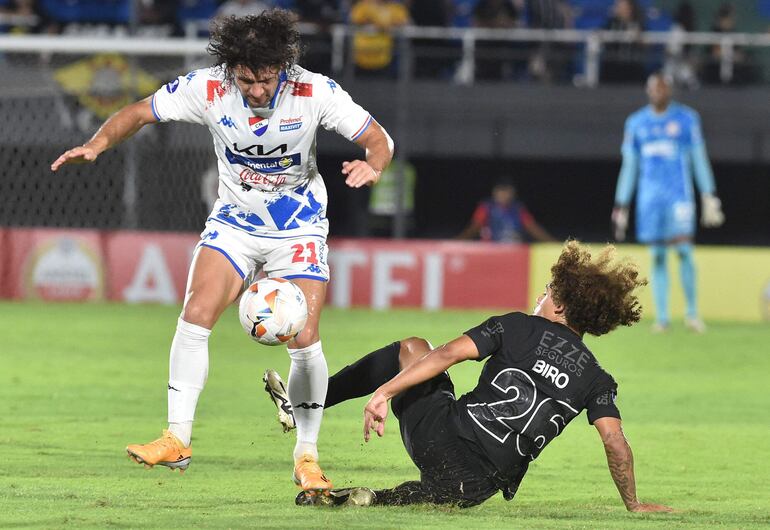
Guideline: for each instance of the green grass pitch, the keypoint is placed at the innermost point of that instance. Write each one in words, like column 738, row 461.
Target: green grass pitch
column 79, row 382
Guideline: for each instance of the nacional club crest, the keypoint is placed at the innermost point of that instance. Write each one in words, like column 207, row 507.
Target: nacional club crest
column 673, row 128
column 258, row 125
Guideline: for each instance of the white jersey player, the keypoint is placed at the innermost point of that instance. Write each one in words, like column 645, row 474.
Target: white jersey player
column 263, row 112
column 270, row 190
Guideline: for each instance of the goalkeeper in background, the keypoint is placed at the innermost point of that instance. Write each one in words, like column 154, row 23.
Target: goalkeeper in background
column 661, row 143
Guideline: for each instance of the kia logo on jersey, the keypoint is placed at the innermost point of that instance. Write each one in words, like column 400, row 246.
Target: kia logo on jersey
column 258, row 125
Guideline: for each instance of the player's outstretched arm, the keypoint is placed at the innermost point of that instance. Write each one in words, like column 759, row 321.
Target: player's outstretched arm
column 629, row 172
column 117, row 128
column 620, row 460
column 379, row 152
column 478, row 220
column 537, row 232
column 471, row 231
column 430, row 365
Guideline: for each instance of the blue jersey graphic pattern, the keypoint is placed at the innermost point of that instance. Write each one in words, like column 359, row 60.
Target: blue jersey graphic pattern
column 287, row 211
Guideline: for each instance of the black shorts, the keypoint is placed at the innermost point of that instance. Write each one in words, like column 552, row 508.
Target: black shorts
column 449, row 470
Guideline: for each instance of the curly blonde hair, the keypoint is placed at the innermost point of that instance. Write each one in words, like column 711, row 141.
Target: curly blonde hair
column 597, row 295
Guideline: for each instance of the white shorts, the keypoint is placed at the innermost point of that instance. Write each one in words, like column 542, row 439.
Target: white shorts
column 299, row 255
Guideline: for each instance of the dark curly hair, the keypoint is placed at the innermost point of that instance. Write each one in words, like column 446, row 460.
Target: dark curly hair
column 257, row 42
column 597, row 295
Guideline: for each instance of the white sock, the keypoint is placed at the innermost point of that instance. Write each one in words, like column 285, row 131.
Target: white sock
column 308, row 381
column 188, row 369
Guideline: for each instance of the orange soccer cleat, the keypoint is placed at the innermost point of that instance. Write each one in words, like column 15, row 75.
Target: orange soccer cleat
column 309, row 477
column 167, row 451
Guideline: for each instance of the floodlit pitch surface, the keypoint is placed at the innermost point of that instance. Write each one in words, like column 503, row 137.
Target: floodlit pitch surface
column 79, row 382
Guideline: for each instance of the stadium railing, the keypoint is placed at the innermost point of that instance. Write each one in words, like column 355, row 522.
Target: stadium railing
column 589, row 45
column 585, row 46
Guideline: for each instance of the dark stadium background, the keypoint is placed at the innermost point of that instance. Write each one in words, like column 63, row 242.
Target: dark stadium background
column 570, row 198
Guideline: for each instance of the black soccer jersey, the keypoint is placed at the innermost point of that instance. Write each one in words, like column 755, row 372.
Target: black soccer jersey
column 538, row 377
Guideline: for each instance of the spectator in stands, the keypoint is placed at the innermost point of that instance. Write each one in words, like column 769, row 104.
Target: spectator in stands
column 624, row 61
column 493, row 58
column 20, row 16
column 685, row 17
column 725, row 22
column 157, row 18
column 242, row 8
column 498, row 14
column 320, row 12
column 504, row 219
column 463, row 13
column 193, row 15
column 373, row 41
column 549, row 14
column 431, row 13
column 433, row 58
column 626, row 16
column 680, row 63
column 548, row 62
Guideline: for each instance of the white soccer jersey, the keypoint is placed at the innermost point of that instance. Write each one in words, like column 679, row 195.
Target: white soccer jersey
column 268, row 176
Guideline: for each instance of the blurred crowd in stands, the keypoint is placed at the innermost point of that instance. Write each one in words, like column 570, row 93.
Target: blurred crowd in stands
column 374, row 47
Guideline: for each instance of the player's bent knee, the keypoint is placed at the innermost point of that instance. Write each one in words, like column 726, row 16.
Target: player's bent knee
column 415, row 344
column 307, row 337
column 200, row 315
column 412, row 349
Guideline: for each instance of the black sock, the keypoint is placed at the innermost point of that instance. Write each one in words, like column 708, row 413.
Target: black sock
column 404, row 494
column 364, row 376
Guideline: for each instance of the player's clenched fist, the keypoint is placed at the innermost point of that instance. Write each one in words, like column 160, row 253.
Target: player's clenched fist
column 360, row 173
column 76, row 155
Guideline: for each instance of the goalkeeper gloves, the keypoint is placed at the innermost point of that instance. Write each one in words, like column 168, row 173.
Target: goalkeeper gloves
column 711, row 211
column 619, row 222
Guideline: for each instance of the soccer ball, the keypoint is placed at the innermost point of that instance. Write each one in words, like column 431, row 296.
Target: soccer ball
column 272, row 311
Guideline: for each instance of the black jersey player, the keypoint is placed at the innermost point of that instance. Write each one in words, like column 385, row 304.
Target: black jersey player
column 538, row 376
